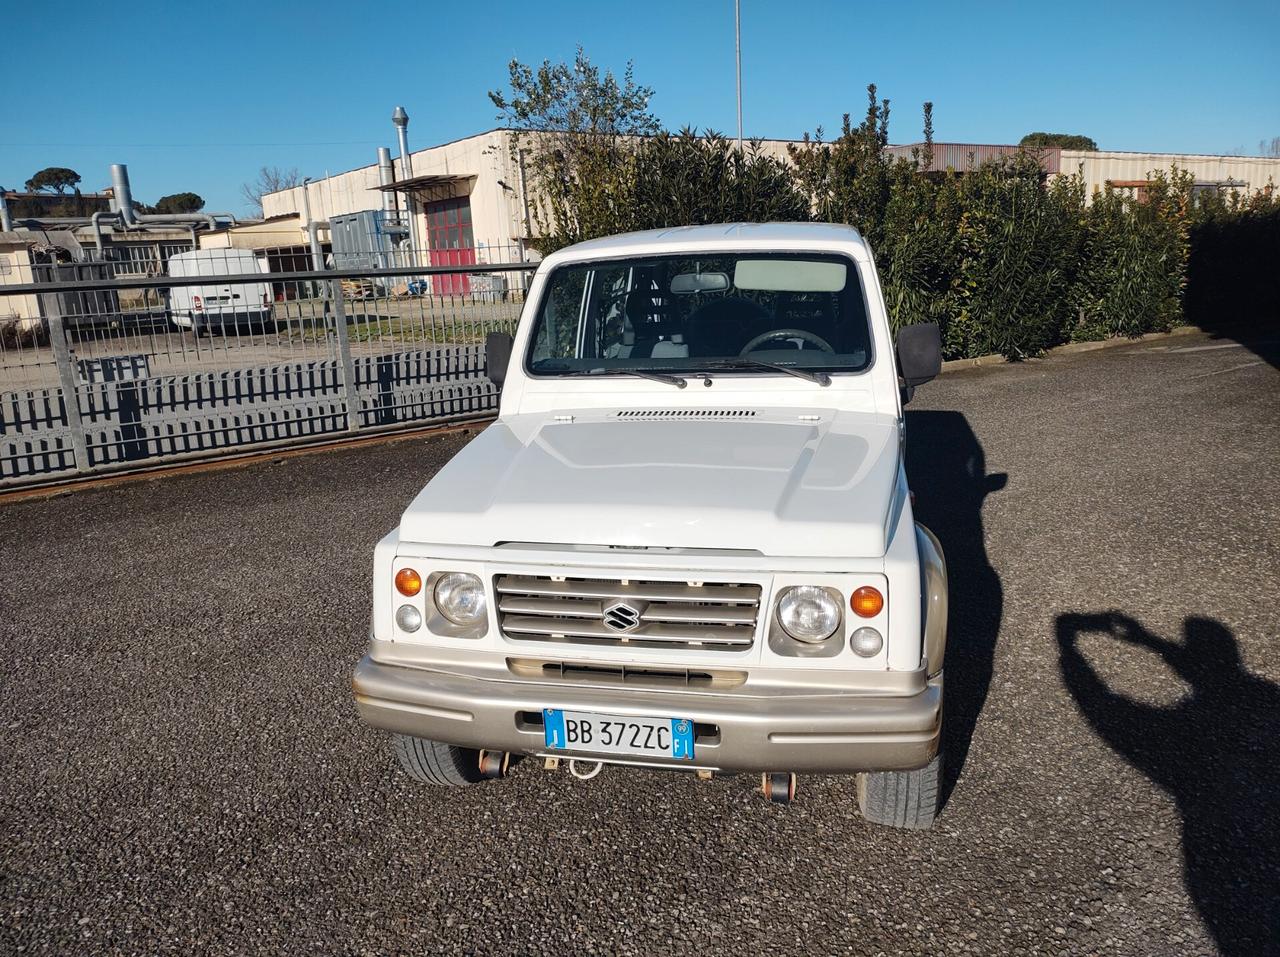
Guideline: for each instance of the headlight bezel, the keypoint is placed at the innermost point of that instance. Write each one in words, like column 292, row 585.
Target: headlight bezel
column 447, row 579
column 783, row 643
column 789, row 597
column 439, row 624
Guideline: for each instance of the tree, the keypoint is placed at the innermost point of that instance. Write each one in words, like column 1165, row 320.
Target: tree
column 1269, row 149
column 1067, row 141
column 53, row 179
column 577, row 128
column 271, row 179
column 179, row 203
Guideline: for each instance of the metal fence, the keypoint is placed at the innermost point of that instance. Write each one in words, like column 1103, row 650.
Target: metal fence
column 125, row 371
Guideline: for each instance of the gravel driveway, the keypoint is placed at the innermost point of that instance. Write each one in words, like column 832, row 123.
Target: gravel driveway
column 183, row 771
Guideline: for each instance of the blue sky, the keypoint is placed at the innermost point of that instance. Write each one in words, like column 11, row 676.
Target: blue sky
column 236, row 85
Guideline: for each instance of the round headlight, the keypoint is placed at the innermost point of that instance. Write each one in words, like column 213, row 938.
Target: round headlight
column 460, row 598
column 808, row 613
column 408, row 618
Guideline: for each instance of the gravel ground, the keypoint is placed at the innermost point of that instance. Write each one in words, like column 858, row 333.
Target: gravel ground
column 183, row 770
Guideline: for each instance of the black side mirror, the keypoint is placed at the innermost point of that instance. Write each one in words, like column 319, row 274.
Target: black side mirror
column 497, row 356
column 919, row 349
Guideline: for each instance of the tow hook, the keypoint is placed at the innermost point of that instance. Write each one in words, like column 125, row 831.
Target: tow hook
column 585, row 770
column 778, row 786
column 494, row 764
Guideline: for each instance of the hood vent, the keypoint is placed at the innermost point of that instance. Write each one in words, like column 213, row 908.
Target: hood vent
column 686, row 414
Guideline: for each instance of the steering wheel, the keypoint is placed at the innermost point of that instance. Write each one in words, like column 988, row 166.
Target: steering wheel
column 808, row 337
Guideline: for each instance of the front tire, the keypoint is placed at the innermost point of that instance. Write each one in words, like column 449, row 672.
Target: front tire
column 906, row 799
column 433, row 762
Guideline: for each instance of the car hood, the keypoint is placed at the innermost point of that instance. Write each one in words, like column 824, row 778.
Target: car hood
column 784, row 483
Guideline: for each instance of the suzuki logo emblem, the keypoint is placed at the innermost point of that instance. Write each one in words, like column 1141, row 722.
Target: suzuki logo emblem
column 623, row 616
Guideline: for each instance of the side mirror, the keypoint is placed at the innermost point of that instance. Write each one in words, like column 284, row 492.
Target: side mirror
column 919, row 349
column 497, row 356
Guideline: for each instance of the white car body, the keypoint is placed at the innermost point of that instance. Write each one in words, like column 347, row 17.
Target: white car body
column 758, row 479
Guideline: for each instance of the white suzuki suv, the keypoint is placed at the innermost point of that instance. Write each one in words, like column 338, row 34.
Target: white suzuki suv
column 687, row 540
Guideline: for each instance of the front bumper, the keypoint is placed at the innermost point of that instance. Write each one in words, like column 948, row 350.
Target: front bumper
column 824, row 733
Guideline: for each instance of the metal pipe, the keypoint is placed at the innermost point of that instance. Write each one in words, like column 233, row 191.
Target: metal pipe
column 737, row 56
column 317, row 258
column 5, row 222
column 96, row 221
column 524, row 200
column 121, row 195
column 401, row 121
column 178, row 219
column 386, row 177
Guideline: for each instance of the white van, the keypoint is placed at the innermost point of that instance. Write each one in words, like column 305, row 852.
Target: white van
column 218, row 307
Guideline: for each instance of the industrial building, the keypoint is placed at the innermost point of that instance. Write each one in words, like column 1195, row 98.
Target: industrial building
column 1102, row 168
column 463, row 202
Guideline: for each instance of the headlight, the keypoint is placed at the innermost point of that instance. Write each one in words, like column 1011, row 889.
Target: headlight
column 809, row 613
column 460, row 598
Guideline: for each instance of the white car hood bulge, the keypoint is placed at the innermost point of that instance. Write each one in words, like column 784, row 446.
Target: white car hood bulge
column 773, row 482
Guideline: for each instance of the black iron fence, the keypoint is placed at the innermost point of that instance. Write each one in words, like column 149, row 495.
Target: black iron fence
column 102, row 372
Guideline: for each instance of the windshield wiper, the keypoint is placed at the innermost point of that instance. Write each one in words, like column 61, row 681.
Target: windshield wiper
column 678, row 381
column 746, row 362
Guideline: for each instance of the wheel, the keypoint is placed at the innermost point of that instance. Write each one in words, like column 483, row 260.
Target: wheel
column 901, row 798
column 432, row 762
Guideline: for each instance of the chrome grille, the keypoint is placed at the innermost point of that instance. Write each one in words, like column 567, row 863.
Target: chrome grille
column 612, row 612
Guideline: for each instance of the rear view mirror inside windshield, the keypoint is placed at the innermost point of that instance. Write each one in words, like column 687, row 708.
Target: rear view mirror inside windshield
column 687, row 283
column 789, row 275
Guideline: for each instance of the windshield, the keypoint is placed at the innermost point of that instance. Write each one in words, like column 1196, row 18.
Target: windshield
column 740, row 312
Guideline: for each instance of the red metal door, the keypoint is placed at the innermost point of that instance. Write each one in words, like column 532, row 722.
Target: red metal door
column 451, row 242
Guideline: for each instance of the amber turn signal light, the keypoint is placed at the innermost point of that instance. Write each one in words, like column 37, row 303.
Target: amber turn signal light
column 408, row 582
column 866, row 602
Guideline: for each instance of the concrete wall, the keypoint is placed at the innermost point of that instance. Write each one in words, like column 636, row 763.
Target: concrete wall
column 15, row 270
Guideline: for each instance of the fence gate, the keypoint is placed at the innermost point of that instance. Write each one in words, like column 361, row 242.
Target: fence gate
column 100, row 373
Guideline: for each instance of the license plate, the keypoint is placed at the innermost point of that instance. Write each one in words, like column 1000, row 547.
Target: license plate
column 618, row 734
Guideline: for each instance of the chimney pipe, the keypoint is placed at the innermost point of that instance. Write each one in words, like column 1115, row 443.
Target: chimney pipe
column 121, row 196
column 401, row 120
column 386, row 177
column 6, row 223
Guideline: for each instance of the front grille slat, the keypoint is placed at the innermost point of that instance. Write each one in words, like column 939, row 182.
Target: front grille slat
column 649, row 591
column 656, row 631
column 570, row 607
column 603, row 612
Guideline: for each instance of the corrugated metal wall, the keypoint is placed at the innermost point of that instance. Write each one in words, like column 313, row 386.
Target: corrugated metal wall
column 963, row 157
column 1254, row 172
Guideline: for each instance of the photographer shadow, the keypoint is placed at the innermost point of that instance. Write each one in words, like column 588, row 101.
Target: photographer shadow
column 947, row 471
column 1213, row 752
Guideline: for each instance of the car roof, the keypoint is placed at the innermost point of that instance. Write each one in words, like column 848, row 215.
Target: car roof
column 720, row 237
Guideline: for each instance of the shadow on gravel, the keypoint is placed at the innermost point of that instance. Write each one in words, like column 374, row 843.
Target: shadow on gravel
column 1213, row 751
column 947, row 470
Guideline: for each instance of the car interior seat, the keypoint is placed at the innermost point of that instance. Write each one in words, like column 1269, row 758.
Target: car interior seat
column 654, row 330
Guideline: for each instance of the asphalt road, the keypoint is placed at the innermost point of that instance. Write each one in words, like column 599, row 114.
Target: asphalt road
column 182, row 770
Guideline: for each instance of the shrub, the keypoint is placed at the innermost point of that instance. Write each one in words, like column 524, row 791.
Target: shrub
column 1135, row 260
column 1233, row 276
column 685, row 180
column 1019, row 247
